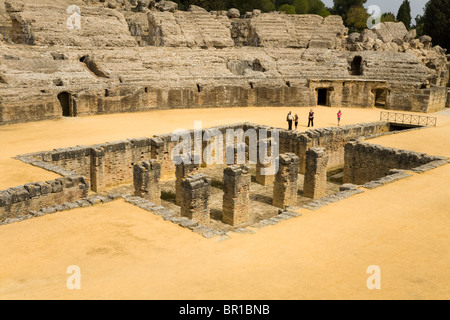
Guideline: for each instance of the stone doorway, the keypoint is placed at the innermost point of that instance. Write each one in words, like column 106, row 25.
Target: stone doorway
column 66, row 105
column 322, row 96
column 380, row 97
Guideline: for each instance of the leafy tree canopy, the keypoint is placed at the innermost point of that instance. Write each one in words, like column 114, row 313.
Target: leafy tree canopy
column 436, row 22
column 404, row 14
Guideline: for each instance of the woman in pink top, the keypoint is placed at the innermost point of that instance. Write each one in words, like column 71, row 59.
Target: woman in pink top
column 339, row 114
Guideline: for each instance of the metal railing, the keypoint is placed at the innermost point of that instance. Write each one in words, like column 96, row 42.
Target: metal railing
column 412, row 119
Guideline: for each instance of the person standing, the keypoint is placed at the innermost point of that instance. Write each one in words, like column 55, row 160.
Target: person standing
column 289, row 119
column 311, row 118
column 339, row 114
column 296, row 121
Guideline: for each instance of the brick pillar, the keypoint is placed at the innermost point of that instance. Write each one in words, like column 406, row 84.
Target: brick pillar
column 196, row 190
column 182, row 171
column 146, row 176
column 236, row 196
column 264, row 179
column 315, row 185
column 97, row 170
column 286, row 181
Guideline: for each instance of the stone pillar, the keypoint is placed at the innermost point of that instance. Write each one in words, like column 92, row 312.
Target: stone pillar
column 97, row 170
column 236, row 194
column 196, row 190
column 146, row 178
column 264, row 179
column 315, row 184
column 182, row 171
column 286, row 181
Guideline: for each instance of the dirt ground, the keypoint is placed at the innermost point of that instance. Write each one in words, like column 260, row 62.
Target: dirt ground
column 126, row 253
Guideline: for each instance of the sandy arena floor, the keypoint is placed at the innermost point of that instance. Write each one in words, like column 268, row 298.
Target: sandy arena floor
column 126, row 253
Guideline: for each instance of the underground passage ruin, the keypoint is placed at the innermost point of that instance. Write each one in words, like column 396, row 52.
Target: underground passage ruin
column 316, row 168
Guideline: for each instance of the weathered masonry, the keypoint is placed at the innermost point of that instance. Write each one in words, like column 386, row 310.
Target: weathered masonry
column 135, row 58
column 146, row 178
column 196, row 190
column 236, row 196
column 286, row 181
column 365, row 162
column 315, row 173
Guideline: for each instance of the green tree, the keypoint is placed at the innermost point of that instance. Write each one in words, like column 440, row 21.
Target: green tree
column 343, row 7
column 289, row 9
column 436, row 22
column 249, row 5
column 318, row 7
column 388, row 16
column 357, row 19
column 301, row 6
column 419, row 22
column 279, row 3
column 404, row 14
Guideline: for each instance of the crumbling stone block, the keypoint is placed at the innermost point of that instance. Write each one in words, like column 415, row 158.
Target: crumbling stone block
column 315, row 184
column 196, row 190
column 286, row 181
column 236, row 197
column 146, row 178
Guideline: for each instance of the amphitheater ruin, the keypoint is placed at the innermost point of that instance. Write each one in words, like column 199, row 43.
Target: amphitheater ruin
column 94, row 96
column 147, row 56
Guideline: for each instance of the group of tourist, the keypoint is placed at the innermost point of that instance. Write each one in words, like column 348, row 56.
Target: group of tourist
column 293, row 119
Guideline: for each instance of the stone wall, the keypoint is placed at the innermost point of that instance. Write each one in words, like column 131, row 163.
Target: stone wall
column 333, row 139
column 366, row 162
column 34, row 196
column 103, row 165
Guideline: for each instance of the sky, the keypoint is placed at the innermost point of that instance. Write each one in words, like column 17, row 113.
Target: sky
column 391, row 5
